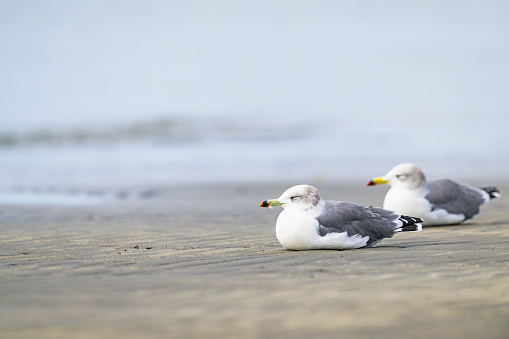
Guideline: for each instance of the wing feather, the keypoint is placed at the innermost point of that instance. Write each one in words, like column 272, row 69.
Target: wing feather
column 374, row 222
column 454, row 198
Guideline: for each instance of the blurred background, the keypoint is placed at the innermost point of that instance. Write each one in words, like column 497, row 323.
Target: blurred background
column 113, row 95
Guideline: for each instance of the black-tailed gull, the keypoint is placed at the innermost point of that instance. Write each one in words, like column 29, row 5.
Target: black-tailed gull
column 307, row 222
column 438, row 202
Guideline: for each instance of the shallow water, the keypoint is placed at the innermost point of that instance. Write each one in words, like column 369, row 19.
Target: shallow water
column 235, row 151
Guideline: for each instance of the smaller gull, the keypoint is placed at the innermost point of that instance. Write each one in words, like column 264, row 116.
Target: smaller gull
column 307, row 222
column 438, row 202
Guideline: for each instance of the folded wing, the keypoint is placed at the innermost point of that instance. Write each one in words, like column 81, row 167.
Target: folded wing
column 455, row 198
column 374, row 222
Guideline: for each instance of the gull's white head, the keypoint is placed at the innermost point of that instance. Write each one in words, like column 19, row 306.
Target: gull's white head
column 405, row 175
column 300, row 197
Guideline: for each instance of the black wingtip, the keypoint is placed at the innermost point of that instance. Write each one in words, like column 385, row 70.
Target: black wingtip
column 492, row 191
column 411, row 228
column 410, row 224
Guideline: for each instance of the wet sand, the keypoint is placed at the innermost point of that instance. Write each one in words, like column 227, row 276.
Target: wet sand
column 205, row 262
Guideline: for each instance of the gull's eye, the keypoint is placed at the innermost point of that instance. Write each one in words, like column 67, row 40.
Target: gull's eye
column 295, row 198
column 401, row 176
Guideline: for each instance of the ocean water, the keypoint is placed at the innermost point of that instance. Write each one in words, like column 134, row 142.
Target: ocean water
column 92, row 164
column 156, row 94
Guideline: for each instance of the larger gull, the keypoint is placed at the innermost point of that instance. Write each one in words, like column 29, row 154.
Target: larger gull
column 307, row 222
column 438, row 202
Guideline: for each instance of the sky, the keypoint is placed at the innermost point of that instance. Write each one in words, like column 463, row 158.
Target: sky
column 68, row 63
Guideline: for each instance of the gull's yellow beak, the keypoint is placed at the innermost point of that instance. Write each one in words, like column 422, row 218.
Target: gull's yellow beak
column 376, row 181
column 270, row 203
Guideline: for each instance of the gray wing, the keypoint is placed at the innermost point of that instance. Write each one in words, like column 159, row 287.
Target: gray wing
column 454, row 198
column 376, row 223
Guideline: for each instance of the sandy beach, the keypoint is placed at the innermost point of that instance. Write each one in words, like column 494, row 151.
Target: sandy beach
column 204, row 261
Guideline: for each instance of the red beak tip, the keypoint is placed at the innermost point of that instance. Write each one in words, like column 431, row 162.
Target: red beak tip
column 264, row 204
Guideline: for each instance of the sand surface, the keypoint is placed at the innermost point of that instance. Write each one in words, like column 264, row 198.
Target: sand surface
column 204, row 262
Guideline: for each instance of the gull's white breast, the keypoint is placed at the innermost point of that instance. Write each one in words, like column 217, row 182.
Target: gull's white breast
column 297, row 230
